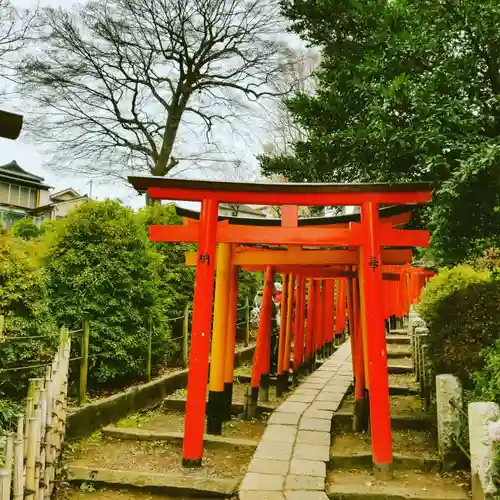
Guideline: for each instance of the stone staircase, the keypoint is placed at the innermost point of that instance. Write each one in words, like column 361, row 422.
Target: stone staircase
column 416, row 464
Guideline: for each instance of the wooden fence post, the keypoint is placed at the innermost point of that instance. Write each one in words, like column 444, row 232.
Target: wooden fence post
column 185, row 338
column 247, row 322
column 150, row 339
column 84, row 362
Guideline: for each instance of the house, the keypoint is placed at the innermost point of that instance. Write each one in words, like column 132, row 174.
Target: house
column 23, row 194
column 60, row 204
column 230, row 210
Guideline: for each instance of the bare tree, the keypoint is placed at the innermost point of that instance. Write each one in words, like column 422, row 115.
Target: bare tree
column 283, row 130
column 121, row 82
column 14, row 28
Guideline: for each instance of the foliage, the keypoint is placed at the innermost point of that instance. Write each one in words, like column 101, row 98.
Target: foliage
column 461, row 309
column 407, row 90
column 487, row 380
column 127, row 83
column 490, row 259
column 25, row 229
column 466, row 220
column 10, row 411
column 445, row 283
column 176, row 287
column 24, row 304
column 102, row 264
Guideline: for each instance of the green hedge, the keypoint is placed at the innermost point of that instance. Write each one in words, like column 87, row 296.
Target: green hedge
column 445, row 283
column 101, row 264
column 97, row 262
column 461, row 307
column 25, row 306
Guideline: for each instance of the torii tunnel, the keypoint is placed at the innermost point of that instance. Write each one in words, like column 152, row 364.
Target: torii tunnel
column 356, row 267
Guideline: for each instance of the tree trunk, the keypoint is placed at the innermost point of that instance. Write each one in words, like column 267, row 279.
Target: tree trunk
column 164, row 163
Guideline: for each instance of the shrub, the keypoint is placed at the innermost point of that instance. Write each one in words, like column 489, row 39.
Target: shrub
column 24, row 304
column 25, row 229
column 462, row 323
column 176, row 287
column 445, row 283
column 101, row 263
column 487, row 381
column 177, row 280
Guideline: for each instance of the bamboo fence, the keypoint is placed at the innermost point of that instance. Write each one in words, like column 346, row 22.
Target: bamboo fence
column 32, row 453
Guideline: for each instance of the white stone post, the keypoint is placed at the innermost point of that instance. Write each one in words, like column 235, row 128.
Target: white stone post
column 448, row 387
column 482, row 450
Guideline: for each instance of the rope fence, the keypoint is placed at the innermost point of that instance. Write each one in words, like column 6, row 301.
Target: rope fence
column 84, row 334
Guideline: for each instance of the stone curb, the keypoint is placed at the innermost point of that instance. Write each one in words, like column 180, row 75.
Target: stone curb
column 291, row 460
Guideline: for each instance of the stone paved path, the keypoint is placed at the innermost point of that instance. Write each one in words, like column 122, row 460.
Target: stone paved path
column 290, row 461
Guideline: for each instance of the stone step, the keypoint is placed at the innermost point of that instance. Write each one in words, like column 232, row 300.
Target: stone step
column 400, row 353
column 136, row 434
column 397, row 339
column 400, row 462
column 170, row 483
column 403, row 390
column 236, row 408
column 361, row 485
column 399, row 331
column 398, row 369
column 343, row 419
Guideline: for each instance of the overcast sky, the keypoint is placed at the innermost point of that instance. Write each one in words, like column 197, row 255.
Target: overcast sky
column 35, row 158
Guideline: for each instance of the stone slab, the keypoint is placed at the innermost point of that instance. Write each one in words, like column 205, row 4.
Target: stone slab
column 308, row 467
column 266, row 466
column 325, row 405
column 290, row 462
column 261, row 495
column 274, row 451
column 306, row 391
column 268, row 482
column 291, row 407
column 315, row 424
column 311, row 452
column 334, row 389
column 330, row 396
column 314, row 437
column 321, row 376
column 179, row 483
column 284, row 418
column 293, row 482
column 302, row 398
column 279, row 433
column 324, row 414
column 305, row 495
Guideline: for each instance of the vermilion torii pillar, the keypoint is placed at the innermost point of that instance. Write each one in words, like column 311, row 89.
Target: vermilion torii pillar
column 369, row 236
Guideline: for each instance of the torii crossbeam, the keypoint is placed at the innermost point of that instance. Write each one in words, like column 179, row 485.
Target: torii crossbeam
column 369, row 235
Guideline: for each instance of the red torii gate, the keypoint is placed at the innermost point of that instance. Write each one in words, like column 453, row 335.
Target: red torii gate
column 369, row 235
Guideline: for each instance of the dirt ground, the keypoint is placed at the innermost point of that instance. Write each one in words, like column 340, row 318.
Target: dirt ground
column 434, row 485
column 174, row 421
column 404, row 442
column 89, row 492
column 239, row 391
column 219, row 460
column 407, row 405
